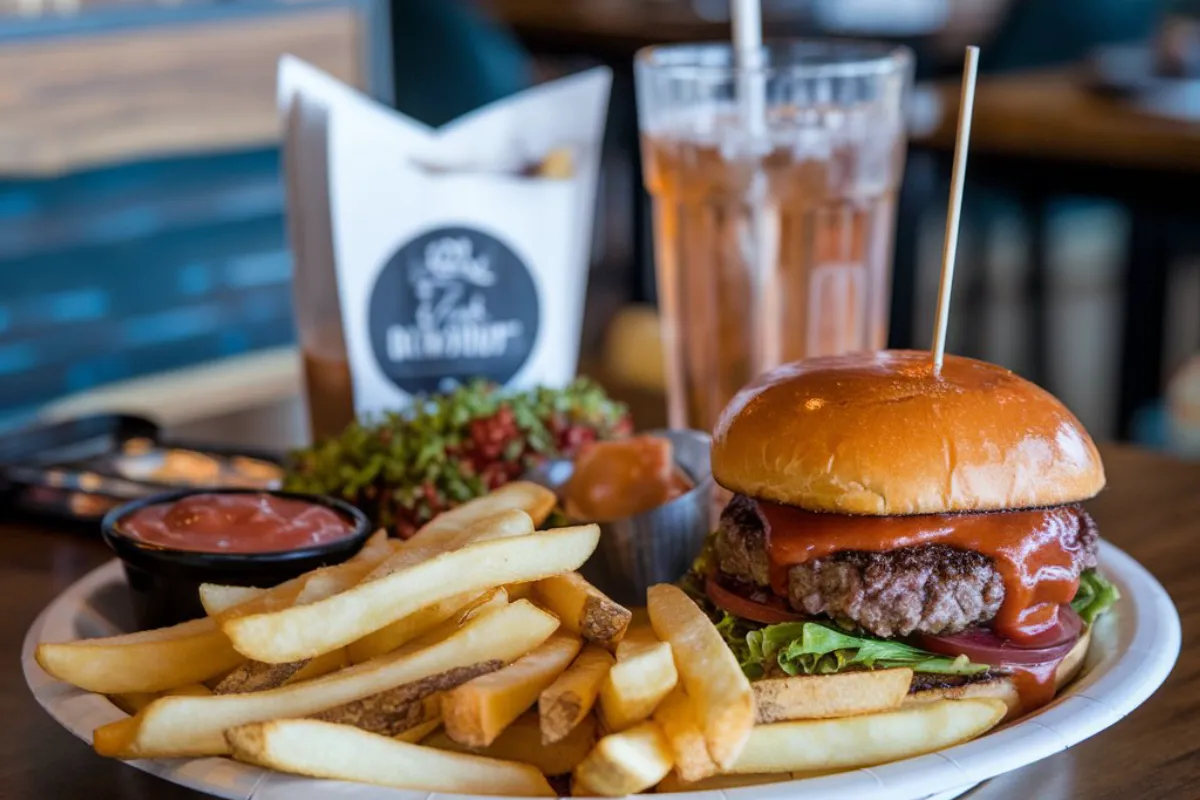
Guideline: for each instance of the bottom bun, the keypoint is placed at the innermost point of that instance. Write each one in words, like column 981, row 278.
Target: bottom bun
column 1002, row 687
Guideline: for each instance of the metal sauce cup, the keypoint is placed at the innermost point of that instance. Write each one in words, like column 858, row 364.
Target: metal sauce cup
column 659, row 545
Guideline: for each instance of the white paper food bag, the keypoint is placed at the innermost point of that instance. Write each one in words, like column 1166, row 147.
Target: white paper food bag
column 454, row 257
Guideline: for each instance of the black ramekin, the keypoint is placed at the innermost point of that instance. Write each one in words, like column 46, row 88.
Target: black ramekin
column 164, row 583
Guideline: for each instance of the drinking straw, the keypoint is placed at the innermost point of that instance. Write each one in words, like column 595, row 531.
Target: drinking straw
column 751, row 96
column 748, row 59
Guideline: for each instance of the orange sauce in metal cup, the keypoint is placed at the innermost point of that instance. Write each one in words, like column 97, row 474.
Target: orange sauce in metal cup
column 623, row 478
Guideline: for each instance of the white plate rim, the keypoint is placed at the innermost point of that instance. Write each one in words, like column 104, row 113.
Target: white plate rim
column 1133, row 652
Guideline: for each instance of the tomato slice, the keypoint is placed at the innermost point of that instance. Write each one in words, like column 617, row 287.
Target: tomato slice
column 983, row 646
column 754, row 610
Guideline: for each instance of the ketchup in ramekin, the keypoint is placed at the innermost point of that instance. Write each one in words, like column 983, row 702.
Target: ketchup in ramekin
column 172, row 543
column 242, row 522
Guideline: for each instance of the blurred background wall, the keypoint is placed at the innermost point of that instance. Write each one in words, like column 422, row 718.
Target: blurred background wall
column 141, row 214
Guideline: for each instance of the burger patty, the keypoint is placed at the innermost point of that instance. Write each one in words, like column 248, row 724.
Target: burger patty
column 932, row 589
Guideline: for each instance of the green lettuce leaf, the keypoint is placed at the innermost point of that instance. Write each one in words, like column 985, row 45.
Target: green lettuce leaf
column 1095, row 596
column 810, row 648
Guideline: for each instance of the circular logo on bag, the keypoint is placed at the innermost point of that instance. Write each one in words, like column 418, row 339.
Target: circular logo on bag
column 451, row 305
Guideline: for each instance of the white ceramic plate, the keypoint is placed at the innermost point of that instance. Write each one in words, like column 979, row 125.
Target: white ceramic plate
column 1132, row 652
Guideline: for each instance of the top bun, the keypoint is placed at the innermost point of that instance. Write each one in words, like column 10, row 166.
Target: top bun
column 882, row 433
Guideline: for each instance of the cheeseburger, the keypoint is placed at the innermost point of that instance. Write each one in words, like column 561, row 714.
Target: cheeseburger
column 886, row 515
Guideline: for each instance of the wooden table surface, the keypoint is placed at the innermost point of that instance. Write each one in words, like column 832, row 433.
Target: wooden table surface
column 1151, row 509
column 1056, row 116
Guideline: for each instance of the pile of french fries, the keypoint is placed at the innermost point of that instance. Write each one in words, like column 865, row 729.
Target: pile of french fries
column 473, row 658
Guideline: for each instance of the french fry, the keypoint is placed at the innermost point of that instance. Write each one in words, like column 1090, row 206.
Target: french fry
column 328, row 581
column 520, row 591
column 419, row 623
column 217, row 598
column 484, row 603
column 328, row 750
column 639, row 617
column 843, row 694
column 395, row 711
column 184, row 630
column 323, row 582
column 677, row 719
column 416, row 734
column 565, row 703
column 643, row 675
column 868, row 740
column 502, row 524
column 309, row 630
column 640, row 637
column 513, row 522
column 522, row 741
column 534, row 500
column 184, row 726
column 715, row 683
column 405, row 629
column 116, row 738
column 152, row 661
column 557, row 164
column 319, row 666
column 229, row 602
column 499, row 525
column 135, row 701
column 255, row 676
column 674, row 782
column 477, row 712
column 626, row 762
column 583, row 608
column 223, row 602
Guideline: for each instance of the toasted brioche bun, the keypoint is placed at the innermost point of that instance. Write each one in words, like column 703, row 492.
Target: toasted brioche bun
column 883, row 434
column 1003, row 688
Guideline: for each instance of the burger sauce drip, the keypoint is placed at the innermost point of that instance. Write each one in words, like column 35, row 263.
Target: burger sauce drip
column 1028, row 549
column 1035, row 684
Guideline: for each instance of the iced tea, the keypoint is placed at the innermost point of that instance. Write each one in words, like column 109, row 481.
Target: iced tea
column 774, row 244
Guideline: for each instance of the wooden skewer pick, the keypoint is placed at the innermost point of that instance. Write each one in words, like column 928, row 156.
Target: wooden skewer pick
column 954, row 211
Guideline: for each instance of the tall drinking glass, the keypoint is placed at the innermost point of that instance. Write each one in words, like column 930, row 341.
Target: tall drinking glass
column 774, row 193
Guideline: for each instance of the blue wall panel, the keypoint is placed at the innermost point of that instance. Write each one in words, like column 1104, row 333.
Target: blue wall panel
column 136, row 269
